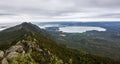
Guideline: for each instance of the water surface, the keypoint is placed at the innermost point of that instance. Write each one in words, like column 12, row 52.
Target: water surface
column 80, row 29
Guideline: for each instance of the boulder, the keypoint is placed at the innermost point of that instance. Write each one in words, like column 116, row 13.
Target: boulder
column 4, row 61
column 1, row 54
column 40, row 50
column 16, row 48
column 12, row 55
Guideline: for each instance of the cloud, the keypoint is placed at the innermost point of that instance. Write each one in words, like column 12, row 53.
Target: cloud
column 54, row 9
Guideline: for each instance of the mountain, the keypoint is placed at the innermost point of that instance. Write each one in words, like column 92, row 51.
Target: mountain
column 11, row 35
column 102, row 43
column 28, row 44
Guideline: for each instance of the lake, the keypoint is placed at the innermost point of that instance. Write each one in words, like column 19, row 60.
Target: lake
column 4, row 26
column 48, row 25
column 2, row 29
column 80, row 29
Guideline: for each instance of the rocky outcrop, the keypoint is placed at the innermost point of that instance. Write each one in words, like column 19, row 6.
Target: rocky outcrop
column 12, row 55
column 4, row 61
column 15, row 50
column 24, row 49
column 1, row 54
column 21, row 48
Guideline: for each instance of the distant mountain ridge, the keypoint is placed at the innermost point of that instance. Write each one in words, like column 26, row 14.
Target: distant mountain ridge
column 28, row 44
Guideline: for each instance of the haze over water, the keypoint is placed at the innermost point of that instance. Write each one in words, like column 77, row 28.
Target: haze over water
column 80, row 29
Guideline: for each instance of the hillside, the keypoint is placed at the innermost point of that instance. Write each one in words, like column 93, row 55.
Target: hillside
column 101, row 43
column 28, row 44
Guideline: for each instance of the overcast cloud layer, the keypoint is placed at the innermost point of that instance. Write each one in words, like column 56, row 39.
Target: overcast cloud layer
column 45, row 10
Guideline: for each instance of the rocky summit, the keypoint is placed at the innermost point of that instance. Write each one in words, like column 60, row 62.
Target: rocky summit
column 22, row 51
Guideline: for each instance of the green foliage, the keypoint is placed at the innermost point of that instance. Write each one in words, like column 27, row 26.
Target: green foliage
column 70, row 61
column 52, row 52
column 55, row 60
column 39, row 57
column 26, row 59
column 96, row 43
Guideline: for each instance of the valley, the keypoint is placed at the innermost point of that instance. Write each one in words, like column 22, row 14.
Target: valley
column 102, row 43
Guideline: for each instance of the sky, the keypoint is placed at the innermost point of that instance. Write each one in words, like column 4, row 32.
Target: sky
column 59, row 10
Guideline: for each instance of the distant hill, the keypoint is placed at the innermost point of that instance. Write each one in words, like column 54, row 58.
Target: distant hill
column 28, row 44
